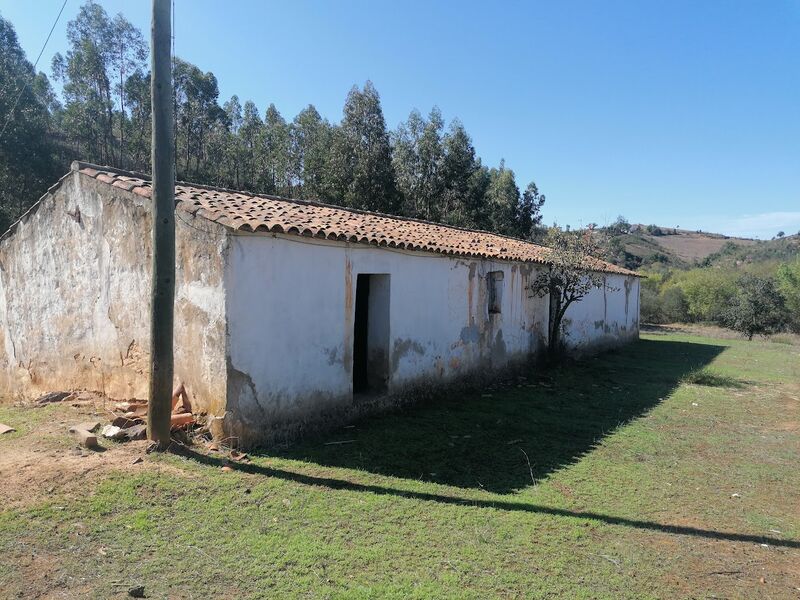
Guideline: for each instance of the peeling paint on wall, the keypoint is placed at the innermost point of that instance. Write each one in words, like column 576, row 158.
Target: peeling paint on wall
column 349, row 312
column 403, row 348
column 75, row 298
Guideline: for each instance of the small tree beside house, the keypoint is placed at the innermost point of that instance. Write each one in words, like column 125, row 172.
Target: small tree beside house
column 568, row 278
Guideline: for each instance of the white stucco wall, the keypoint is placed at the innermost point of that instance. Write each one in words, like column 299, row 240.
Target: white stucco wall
column 75, row 297
column 264, row 323
column 606, row 317
column 291, row 303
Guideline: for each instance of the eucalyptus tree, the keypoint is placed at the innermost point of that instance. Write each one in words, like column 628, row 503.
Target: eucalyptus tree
column 197, row 113
column 137, row 97
column 529, row 214
column 275, row 154
column 231, row 147
column 406, row 162
column 311, row 137
column 502, row 201
column 418, row 159
column 249, row 136
column 27, row 149
column 103, row 53
column 362, row 160
column 465, row 179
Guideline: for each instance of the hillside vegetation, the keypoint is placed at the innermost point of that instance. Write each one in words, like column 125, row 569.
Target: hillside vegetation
column 637, row 245
column 749, row 285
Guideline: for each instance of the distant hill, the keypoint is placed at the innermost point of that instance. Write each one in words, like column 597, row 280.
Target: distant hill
column 639, row 245
column 779, row 249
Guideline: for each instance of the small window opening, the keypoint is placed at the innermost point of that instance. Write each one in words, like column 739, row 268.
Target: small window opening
column 495, row 282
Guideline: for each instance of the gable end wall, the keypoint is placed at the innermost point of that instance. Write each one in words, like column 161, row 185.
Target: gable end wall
column 75, row 297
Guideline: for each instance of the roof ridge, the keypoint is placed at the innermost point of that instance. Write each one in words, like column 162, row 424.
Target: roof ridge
column 513, row 251
column 78, row 165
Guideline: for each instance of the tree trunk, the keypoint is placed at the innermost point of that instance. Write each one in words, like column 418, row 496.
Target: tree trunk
column 554, row 324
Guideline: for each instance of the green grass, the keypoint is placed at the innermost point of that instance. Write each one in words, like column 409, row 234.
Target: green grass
column 610, row 478
column 709, row 378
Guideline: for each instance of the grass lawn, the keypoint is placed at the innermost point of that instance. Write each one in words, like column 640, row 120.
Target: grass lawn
column 668, row 469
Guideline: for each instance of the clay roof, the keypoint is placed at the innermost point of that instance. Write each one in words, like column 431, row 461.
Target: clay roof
column 247, row 212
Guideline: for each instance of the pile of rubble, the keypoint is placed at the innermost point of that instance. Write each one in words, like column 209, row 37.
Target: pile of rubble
column 128, row 419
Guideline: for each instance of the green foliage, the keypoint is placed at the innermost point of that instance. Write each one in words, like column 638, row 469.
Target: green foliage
column 310, row 137
column 502, row 199
column 756, row 308
column 619, row 227
column 674, row 307
column 788, row 281
column 362, row 161
column 27, row 151
column 103, row 54
column 777, row 250
column 654, row 230
column 528, row 222
column 566, row 280
column 657, row 301
column 465, row 179
column 769, row 291
column 423, row 170
column 707, row 292
column 649, row 304
column 418, row 158
column 615, row 251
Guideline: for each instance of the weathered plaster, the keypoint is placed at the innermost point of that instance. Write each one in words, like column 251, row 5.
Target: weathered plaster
column 75, row 297
column 263, row 322
column 290, row 307
column 606, row 317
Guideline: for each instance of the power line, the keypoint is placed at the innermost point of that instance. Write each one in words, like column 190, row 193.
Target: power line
column 24, row 87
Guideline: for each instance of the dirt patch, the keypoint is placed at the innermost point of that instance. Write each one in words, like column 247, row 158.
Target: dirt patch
column 706, row 568
column 694, row 246
column 46, row 460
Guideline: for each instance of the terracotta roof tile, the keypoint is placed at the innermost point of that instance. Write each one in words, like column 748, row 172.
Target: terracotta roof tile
column 242, row 211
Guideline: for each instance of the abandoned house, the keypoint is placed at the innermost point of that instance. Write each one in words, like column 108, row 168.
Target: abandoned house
column 288, row 314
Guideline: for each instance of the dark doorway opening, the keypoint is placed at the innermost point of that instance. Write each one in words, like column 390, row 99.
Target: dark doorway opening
column 371, row 334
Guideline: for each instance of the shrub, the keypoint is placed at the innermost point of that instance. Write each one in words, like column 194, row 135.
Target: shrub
column 674, row 307
column 650, row 310
column 707, row 292
column 757, row 307
column 654, row 230
column 788, row 280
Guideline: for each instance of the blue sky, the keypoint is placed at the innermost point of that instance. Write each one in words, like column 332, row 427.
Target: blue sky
column 677, row 113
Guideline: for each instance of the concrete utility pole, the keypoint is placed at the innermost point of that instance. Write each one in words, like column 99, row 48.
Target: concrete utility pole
column 163, row 281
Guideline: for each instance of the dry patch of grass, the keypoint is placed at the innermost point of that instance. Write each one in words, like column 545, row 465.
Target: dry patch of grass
column 709, row 330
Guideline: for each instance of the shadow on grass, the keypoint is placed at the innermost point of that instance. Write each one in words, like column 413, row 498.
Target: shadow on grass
column 351, row 486
column 502, row 440
column 477, row 441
